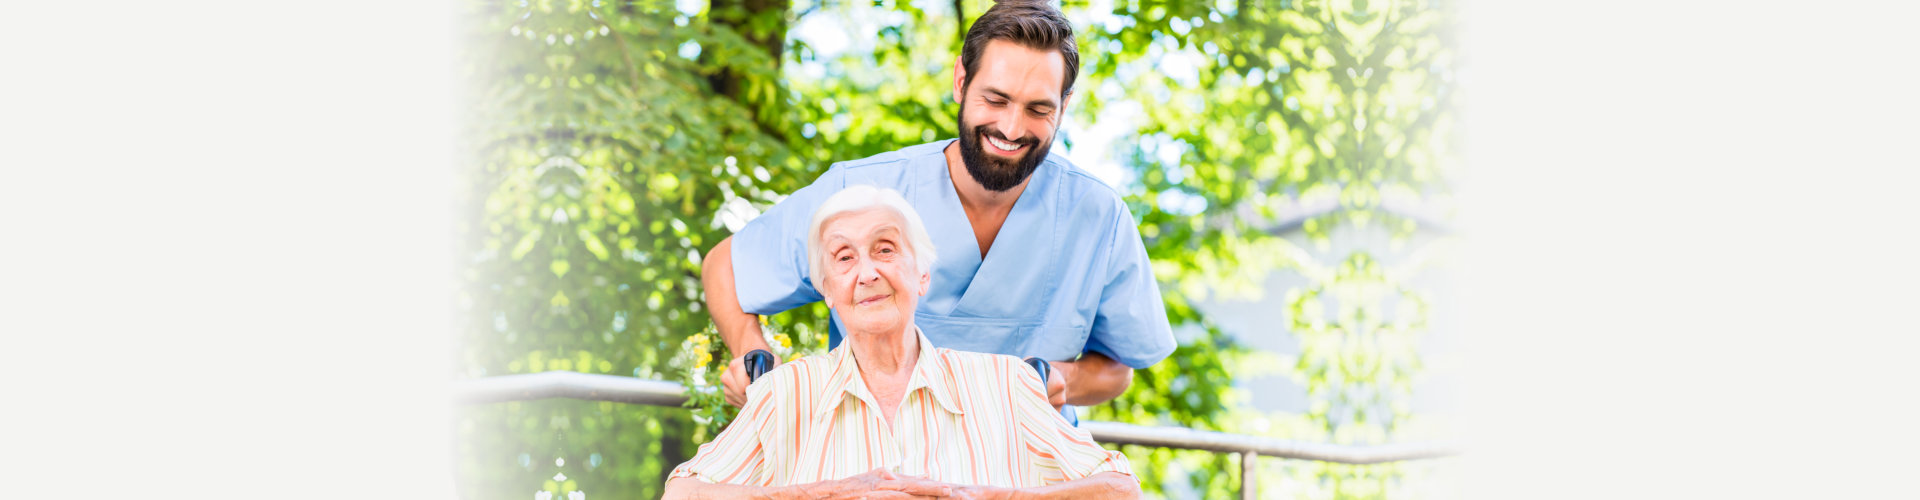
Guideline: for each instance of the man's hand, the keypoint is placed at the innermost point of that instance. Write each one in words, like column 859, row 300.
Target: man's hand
column 1057, row 382
column 1093, row 379
column 739, row 330
column 733, row 382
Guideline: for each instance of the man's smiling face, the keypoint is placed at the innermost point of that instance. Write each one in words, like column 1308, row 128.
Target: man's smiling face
column 1009, row 112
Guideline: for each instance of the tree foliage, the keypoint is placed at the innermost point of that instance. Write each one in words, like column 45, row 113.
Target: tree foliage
column 601, row 160
column 613, row 144
column 1249, row 108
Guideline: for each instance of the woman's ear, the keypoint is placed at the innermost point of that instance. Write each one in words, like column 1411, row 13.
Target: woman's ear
column 926, row 279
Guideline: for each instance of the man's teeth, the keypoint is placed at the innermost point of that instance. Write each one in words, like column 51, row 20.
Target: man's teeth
column 1002, row 145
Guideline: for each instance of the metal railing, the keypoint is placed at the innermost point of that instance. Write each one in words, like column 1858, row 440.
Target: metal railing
column 618, row 389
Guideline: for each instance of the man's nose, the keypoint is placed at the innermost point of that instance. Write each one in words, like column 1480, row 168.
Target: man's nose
column 1010, row 124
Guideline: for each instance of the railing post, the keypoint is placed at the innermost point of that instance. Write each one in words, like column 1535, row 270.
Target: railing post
column 1249, row 482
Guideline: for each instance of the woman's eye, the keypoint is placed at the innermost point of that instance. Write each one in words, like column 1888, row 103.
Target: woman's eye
column 845, row 258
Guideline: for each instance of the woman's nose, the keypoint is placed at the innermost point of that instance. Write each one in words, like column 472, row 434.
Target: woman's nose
column 867, row 272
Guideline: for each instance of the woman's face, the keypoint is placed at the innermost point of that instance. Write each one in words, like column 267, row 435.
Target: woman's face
column 871, row 279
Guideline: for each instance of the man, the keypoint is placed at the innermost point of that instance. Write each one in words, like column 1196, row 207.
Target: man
column 1042, row 259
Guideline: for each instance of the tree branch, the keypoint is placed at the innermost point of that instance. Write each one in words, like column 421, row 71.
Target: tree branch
column 633, row 70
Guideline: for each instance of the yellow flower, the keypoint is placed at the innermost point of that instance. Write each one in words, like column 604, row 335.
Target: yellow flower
column 700, row 340
column 702, row 358
column 785, row 343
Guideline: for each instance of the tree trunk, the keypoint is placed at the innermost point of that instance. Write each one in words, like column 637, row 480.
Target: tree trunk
column 764, row 23
column 959, row 24
column 770, row 35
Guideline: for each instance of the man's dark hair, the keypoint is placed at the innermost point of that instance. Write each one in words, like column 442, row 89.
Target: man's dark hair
column 1030, row 23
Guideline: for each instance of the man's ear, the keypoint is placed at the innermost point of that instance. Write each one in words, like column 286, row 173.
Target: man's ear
column 959, row 78
column 1060, row 115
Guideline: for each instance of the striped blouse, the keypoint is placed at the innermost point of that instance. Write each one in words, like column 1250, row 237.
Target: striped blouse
column 967, row 418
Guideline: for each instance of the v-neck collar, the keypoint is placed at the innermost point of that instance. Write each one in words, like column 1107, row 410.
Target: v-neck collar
column 1029, row 218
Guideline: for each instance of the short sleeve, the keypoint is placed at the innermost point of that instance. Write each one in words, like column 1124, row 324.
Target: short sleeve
column 736, row 456
column 770, row 253
column 1130, row 325
column 1059, row 452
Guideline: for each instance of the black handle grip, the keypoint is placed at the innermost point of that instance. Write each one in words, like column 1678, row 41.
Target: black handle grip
column 759, row 362
column 1041, row 365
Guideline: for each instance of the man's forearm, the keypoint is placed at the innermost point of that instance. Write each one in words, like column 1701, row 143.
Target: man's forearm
column 1097, row 379
column 738, row 329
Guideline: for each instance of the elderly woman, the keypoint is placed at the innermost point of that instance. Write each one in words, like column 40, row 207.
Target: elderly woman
column 887, row 415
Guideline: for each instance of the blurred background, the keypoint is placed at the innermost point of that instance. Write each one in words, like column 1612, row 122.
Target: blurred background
column 254, row 249
column 1286, row 162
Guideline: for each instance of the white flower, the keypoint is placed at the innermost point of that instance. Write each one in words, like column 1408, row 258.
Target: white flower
column 577, row 495
column 542, row 495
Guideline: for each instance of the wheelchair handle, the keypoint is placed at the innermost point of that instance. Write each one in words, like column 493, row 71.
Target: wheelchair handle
column 1041, row 365
column 759, row 362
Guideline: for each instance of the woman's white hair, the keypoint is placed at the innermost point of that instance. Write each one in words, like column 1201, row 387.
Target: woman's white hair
column 860, row 198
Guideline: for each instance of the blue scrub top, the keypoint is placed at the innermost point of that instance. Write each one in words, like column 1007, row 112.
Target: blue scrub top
column 1067, row 273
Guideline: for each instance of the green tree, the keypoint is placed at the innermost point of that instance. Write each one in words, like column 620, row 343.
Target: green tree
column 1247, row 107
column 602, row 153
column 612, row 144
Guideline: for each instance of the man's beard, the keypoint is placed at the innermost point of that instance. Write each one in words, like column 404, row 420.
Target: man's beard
column 993, row 172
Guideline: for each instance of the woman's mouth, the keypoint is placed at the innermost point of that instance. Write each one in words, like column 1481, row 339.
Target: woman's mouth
column 873, row 300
